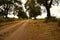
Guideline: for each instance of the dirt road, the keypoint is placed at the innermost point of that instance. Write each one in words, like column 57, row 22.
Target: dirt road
column 31, row 30
column 10, row 31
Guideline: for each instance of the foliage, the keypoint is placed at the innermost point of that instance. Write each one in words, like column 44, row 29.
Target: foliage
column 22, row 14
column 51, row 19
column 33, row 8
column 3, row 20
column 47, row 4
column 6, row 5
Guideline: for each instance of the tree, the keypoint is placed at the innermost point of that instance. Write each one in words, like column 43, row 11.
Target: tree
column 1, row 12
column 48, row 4
column 6, row 6
column 19, row 9
column 21, row 13
column 33, row 8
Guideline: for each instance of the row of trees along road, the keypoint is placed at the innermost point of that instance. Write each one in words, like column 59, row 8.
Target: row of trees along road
column 46, row 3
column 5, row 7
column 33, row 6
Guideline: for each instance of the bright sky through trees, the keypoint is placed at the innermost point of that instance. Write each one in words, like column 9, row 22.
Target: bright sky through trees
column 55, row 11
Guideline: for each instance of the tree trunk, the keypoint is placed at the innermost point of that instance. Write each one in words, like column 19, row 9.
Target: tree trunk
column 6, row 16
column 48, row 12
column 35, row 18
column 30, row 17
column 6, row 13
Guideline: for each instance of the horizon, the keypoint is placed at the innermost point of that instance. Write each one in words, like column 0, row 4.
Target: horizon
column 54, row 11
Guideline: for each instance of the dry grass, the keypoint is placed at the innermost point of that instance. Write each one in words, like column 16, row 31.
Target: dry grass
column 38, row 30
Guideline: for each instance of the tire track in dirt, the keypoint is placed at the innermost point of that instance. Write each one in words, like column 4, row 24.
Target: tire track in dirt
column 7, row 31
column 19, row 32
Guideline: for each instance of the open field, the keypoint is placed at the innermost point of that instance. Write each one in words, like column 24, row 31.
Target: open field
column 31, row 30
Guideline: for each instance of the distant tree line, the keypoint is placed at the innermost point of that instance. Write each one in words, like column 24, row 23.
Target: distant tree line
column 32, row 6
column 5, row 8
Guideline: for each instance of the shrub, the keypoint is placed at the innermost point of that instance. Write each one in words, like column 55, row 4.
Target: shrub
column 7, row 19
column 51, row 19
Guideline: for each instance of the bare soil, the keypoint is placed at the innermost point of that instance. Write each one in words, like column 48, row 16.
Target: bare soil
column 31, row 30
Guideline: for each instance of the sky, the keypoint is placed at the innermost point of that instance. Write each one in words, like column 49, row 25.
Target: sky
column 55, row 11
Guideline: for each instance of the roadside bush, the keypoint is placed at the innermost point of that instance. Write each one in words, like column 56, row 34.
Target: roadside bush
column 7, row 19
column 2, row 19
column 51, row 19
column 58, row 20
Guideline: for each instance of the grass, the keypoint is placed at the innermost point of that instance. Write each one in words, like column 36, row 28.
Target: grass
column 5, row 21
column 40, row 30
column 44, row 31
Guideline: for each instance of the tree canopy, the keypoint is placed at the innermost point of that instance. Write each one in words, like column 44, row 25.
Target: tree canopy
column 33, row 8
column 47, row 4
column 6, row 6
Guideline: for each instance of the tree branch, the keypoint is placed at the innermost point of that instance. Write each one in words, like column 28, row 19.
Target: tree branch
column 50, row 3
